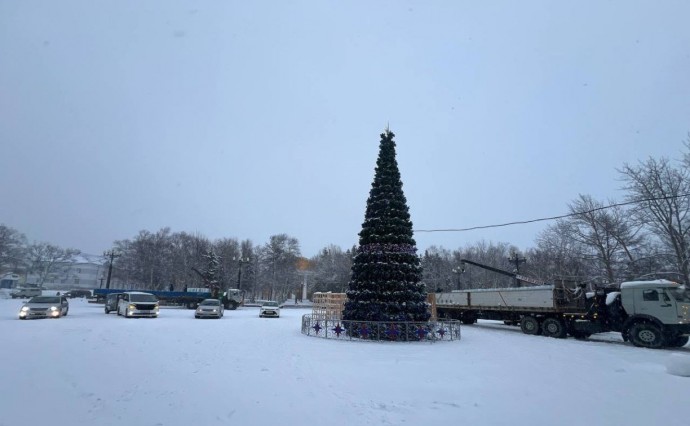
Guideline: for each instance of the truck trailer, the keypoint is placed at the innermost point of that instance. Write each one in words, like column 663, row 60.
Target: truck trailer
column 651, row 314
column 231, row 298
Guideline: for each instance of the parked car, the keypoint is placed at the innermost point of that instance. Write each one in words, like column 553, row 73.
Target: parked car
column 269, row 309
column 111, row 302
column 45, row 307
column 209, row 308
column 22, row 293
column 78, row 293
column 137, row 304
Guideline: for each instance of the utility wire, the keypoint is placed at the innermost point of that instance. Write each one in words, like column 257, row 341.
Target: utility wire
column 522, row 222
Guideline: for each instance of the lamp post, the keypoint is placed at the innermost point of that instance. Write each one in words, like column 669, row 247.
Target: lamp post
column 516, row 260
column 240, row 260
column 457, row 271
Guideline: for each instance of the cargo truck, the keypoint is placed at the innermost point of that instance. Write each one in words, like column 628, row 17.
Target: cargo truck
column 651, row 314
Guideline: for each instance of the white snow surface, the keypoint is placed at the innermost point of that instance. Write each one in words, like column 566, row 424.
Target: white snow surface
column 93, row 369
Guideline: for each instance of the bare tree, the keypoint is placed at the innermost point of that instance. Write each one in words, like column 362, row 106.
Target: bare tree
column 606, row 232
column 46, row 260
column 437, row 269
column 558, row 256
column 662, row 204
column 332, row 267
column 278, row 271
column 12, row 249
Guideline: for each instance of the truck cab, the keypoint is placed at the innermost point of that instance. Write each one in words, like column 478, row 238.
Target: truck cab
column 658, row 313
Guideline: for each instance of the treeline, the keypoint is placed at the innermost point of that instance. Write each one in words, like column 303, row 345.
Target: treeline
column 645, row 235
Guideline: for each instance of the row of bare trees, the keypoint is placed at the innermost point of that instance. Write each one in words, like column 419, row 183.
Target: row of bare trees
column 645, row 235
column 177, row 260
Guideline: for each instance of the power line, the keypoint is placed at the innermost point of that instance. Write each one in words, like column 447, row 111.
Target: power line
column 523, row 222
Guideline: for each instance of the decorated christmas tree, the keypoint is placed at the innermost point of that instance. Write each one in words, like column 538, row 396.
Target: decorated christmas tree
column 385, row 282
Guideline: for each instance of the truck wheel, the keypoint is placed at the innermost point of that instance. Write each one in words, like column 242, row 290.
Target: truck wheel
column 107, row 311
column 530, row 325
column 646, row 335
column 552, row 327
column 678, row 341
column 468, row 319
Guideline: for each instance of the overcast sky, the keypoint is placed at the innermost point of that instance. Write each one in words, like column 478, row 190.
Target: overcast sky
column 247, row 119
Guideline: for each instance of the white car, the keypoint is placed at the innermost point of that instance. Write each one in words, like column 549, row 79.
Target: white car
column 137, row 304
column 269, row 309
column 209, row 308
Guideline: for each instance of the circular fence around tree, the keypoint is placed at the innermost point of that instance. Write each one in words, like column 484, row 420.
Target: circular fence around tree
column 400, row 331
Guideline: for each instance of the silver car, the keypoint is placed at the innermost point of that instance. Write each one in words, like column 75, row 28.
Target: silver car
column 209, row 308
column 45, row 307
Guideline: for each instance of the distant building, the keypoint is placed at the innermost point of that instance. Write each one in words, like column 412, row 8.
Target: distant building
column 10, row 280
column 86, row 272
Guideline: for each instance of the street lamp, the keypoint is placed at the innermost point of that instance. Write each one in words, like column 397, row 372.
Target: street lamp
column 457, row 271
column 516, row 260
column 240, row 261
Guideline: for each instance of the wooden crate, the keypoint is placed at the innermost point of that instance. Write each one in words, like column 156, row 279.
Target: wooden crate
column 328, row 305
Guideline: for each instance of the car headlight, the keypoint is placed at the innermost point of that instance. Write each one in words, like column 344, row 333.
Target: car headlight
column 53, row 308
column 25, row 308
column 132, row 307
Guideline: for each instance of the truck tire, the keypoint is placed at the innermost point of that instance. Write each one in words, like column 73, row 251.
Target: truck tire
column 678, row 341
column 553, row 327
column 647, row 335
column 468, row 318
column 530, row 325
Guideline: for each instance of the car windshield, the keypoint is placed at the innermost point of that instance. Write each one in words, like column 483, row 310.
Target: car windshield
column 44, row 299
column 142, row 298
column 210, row 302
column 271, row 304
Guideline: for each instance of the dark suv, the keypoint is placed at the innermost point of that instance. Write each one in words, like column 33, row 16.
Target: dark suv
column 111, row 302
column 78, row 293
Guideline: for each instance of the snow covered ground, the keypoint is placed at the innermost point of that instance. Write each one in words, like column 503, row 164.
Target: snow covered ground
column 95, row 369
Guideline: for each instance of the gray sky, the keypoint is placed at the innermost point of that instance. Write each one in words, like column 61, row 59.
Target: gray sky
column 247, row 119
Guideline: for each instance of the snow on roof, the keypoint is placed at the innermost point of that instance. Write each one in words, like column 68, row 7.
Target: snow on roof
column 88, row 258
column 657, row 283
